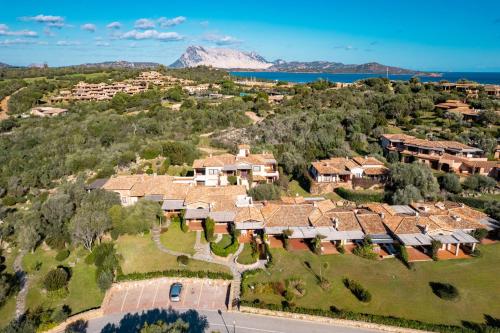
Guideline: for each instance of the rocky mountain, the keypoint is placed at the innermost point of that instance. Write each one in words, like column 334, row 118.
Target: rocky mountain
column 220, row 58
column 122, row 64
column 235, row 59
column 338, row 67
column 4, row 65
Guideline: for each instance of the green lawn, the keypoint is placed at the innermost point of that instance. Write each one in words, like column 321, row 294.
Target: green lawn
column 177, row 240
column 245, row 257
column 83, row 290
column 396, row 290
column 140, row 254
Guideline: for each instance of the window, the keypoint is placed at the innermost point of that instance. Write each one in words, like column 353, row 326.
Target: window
column 256, row 168
column 213, row 172
column 124, row 200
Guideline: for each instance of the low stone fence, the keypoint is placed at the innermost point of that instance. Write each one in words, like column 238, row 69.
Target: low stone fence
column 85, row 316
column 325, row 320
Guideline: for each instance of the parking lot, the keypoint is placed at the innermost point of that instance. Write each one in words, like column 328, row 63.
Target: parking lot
column 142, row 295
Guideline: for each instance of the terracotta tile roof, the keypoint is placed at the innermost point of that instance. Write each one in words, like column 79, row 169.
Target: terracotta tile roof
column 371, row 223
column 335, row 165
column 151, row 185
column 229, row 159
column 410, row 224
column 245, row 214
column 467, row 212
column 293, row 200
column 325, row 205
column 451, row 104
column 296, row 215
column 346, row 220
column 376, row 171
column 220, row 198
column 367, row 160
column 122, row 182
column 455, row 222
column 380, row 208
column 441, row 144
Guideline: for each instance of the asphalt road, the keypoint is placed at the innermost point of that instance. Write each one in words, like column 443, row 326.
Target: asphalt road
column 212, row 321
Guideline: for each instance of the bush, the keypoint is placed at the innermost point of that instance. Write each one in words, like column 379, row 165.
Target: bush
column 356, row 316
column 479, row 234
column 105, row 279
column 265, row 192
column 232, row 180
column 365, row 249
column 56, row 279
column 174, row 273
column 358, row 196
column 209, row 227
column 357, row 290
column 340, row 248
column 183, row 260
column 445, row 291
column 435, row 246
column 450, row 183
column 222, row 250
column 62, row 255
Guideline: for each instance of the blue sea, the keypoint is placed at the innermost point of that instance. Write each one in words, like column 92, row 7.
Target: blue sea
column 479, row 77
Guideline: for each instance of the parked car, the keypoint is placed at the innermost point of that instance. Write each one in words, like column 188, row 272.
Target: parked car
column 175, row 292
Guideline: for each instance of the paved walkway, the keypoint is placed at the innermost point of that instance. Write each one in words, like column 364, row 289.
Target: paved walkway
column 203, row 253
column 24, row 282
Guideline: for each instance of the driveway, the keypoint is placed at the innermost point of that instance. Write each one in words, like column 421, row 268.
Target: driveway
column 204, row 294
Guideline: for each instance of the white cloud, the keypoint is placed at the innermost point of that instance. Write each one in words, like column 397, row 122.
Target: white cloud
column 204, row 24
column 44, row 18
column 57, row 25
column 89, row 27
column 20, row 41
column 5, row 31
column 102, row 43
column 152, row 34
column 346, row 47
column 221, row 39
column 144, row 24
column 48, row 32
column 114, row 25
column 67, row 43
column 166, row 22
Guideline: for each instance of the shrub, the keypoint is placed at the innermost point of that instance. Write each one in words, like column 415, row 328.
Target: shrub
column 360, row 197
column 403, row 255
column 105, row 279
column 222, row 250
column 232, row 180
column 174, row 272
column 340, row 248
column 365, row 249
column 183, row 260
column 357, row 290
column 62, row 255
column 435, row 246
column 265, row 192
column 209, row 227
column 56, row 279
column 9, row 200
column 182, row 220
column 479, row 234
column 445, row 291
column 450, row 183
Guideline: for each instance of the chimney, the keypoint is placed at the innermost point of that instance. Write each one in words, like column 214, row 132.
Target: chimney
column 347, row 158
column 382, row 215
column 426, row 229
column 336, row 223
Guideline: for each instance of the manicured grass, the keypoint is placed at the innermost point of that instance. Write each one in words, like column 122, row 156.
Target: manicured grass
column 245, row 257
column 395, row 290
column 83, row 290
column 140, row 254
column 175, row 239
column 225, row 241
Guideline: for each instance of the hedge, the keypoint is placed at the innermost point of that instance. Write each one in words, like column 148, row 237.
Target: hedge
column 349, row 315
column 360, row 197
column 221, row 251
column 174, row 273
column 470, row 201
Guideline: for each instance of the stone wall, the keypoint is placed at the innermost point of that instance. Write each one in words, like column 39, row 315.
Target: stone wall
column 323, row 188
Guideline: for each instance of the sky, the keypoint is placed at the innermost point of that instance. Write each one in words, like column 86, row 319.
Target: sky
column 436, row 35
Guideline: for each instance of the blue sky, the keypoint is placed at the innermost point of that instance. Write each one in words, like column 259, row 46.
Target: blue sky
column 440, row 35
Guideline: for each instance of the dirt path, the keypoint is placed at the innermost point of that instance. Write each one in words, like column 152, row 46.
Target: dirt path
column 4, row 105
column 253, row 117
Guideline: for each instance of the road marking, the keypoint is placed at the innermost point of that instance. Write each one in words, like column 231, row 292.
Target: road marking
column 156, row 293
column 201, row 291
column 124, row 298
column 246, row 328
column 140, row 296
column 216, row 296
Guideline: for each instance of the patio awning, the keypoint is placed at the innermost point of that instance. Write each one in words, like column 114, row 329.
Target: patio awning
column 415, row 239
column 172, row 205
column 225, row 216
column 154, row 197
column 382, row 239
column 458, row 236
column 193, row 214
